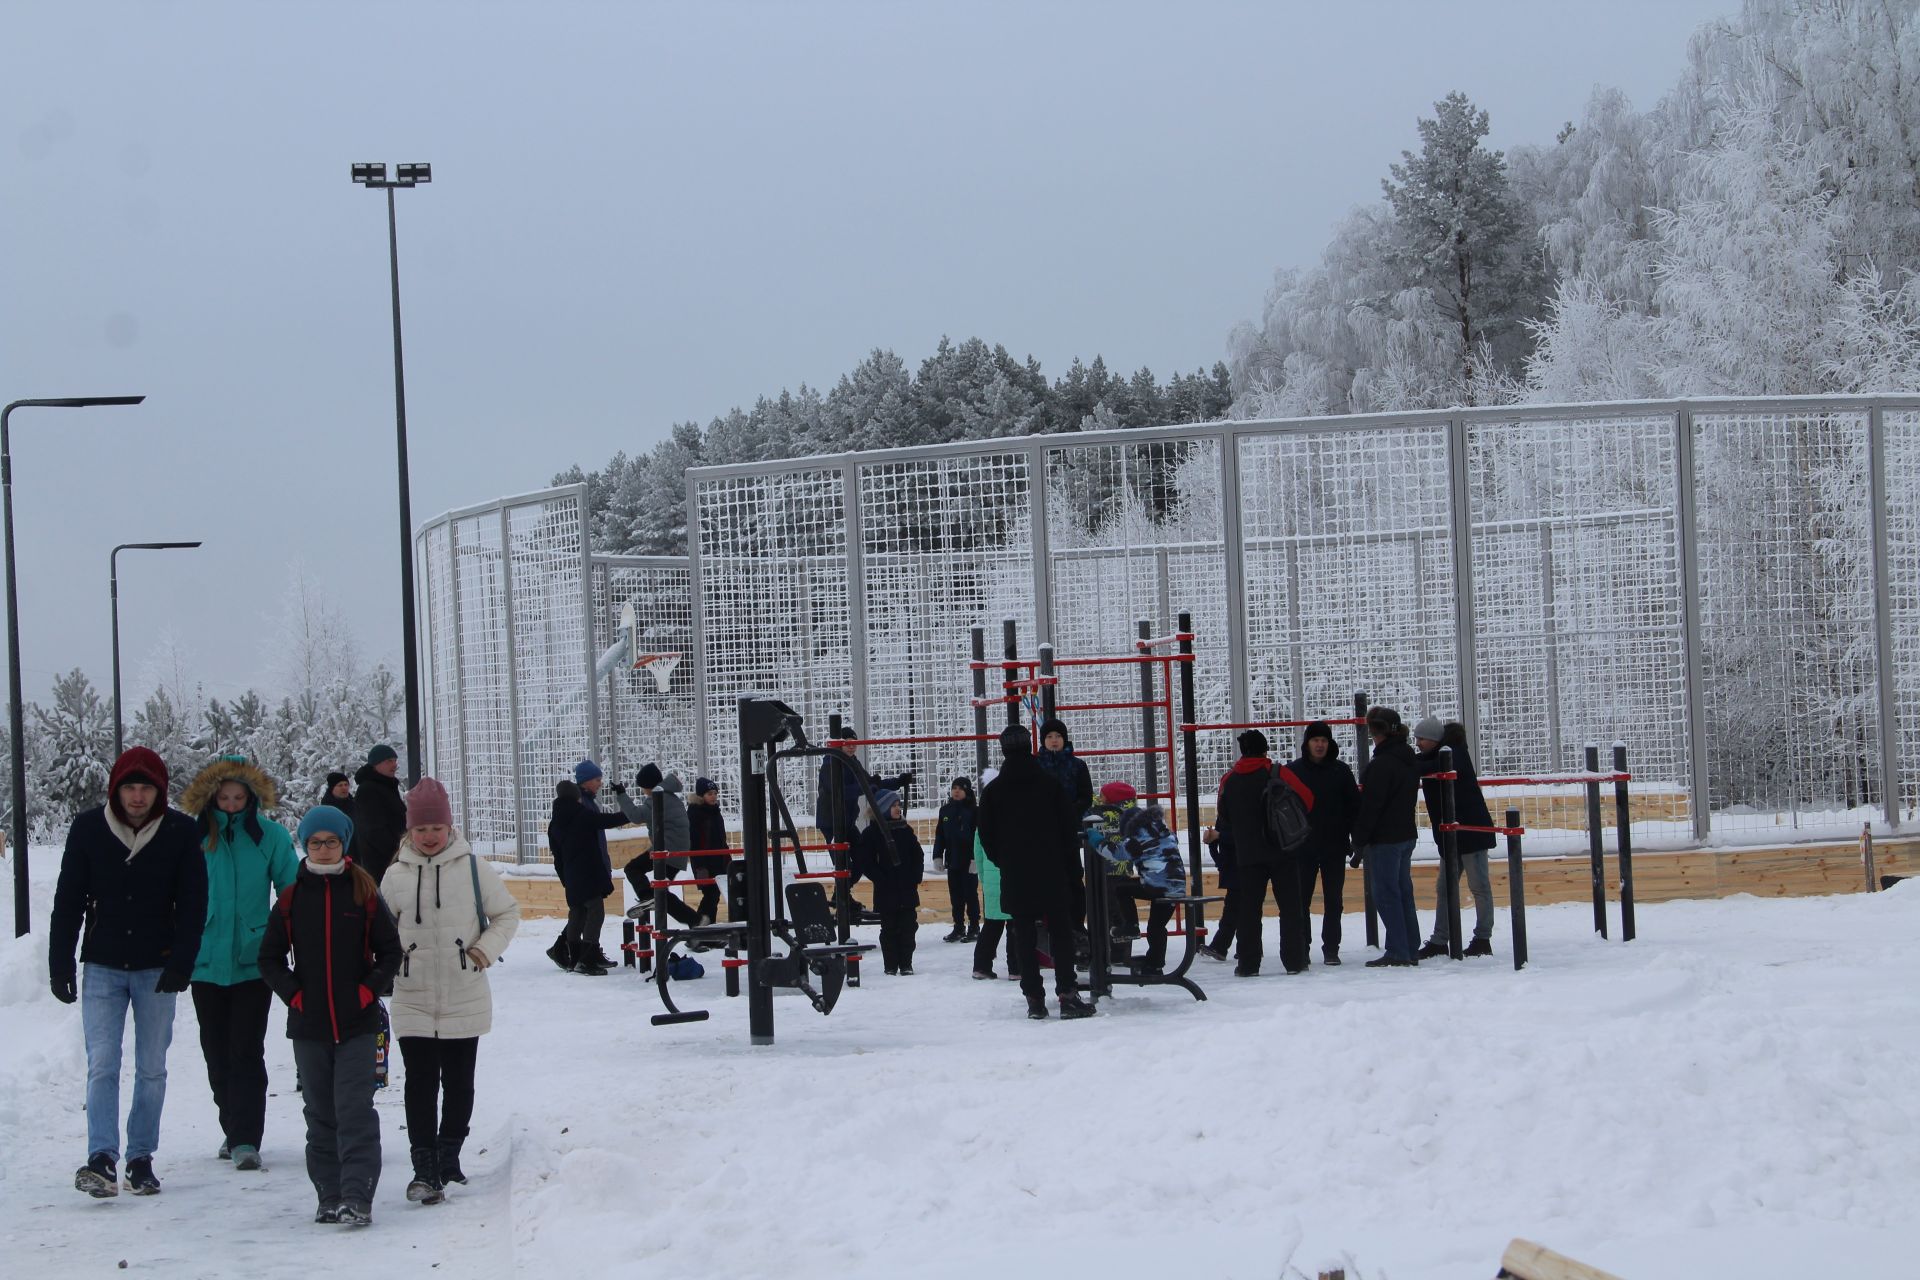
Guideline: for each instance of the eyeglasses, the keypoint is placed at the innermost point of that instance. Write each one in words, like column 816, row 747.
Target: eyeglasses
column 323, row 842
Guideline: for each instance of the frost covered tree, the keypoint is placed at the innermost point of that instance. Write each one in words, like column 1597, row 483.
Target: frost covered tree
column 76, row 748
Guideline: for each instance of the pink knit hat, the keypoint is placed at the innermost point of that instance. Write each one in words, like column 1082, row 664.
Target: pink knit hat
column 427, row 805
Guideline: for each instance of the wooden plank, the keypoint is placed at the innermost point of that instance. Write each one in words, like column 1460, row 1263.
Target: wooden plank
column 1525, row 1260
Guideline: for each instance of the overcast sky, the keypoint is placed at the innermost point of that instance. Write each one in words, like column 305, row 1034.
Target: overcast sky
column 639, row 214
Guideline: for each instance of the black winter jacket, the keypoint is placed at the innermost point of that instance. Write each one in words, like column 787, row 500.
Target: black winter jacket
column 896, row 884
column 379, row 820
column 1387, row 791
column 347, row 807
column 708, row 828
column 1070, row 771
column 579, row 832
column 1469, row 804
column 147, row 913
column 1241, row 810
column 1336, row 798
column 953, row 835
column 1027, row 831
column 345, row 955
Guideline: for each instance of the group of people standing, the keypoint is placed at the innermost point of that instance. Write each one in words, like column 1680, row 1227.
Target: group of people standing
column 218, row 898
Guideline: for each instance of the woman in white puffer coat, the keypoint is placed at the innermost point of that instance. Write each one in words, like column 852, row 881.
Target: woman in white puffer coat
column 455, row 917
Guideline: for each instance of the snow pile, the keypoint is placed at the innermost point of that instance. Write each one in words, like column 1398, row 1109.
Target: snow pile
column 1730, row 1095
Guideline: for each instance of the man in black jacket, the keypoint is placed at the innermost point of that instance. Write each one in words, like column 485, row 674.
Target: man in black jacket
column 134, row 874
column 1336, row 797
column 1023, row 827
column 953, row 853
column 587, row 869
column 836, row 808
column 379, row 812
column 1241, row 815
column 1384, row 832
column 1469, row 810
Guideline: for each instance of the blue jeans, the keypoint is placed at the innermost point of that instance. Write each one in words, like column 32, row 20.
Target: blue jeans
column 105, row 995
column 1390, row 876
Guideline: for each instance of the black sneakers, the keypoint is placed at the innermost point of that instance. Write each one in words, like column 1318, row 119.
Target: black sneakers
column 97, row 1177
column 140, row 1179
column 354, row 1213
column 1072, row 1006
column 327, row 1213
column 1479, row 947
column 1037, row 1008
column 1431, row 950
column 591, row 968
column 956, row 935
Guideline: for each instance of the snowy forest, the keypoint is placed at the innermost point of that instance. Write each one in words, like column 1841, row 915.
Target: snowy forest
column 1756, row 231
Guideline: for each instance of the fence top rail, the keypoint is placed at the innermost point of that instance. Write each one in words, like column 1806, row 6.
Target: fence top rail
column 1581, row 778
column 503, row 504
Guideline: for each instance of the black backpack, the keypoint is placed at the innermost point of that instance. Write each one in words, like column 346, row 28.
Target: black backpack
column 1289, row 814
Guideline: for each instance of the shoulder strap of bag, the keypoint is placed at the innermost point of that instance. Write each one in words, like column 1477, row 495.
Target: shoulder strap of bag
column 473, row 866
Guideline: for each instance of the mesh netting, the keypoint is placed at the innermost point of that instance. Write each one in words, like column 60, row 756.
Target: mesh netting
column 553, row 669
column 638, row 723
column 1903, row 581
column 433, row 553
column 486, row 720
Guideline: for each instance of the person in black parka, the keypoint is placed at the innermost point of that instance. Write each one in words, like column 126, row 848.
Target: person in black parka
column 953, row 851
column 1384, row 832
column 1335, row 798
column 1469, row 810
column 1241, row 814
column 1025, row 830
column 896, row 878
column 338, row 794
column 379, row 812
column 579, row 835
column 836, row 807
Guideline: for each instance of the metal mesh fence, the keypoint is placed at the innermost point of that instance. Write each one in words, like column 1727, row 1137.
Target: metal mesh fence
column 486, row 716
column 639, row 723
column 1902, row 434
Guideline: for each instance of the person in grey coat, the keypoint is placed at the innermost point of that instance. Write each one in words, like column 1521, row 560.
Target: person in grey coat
column 672, row 834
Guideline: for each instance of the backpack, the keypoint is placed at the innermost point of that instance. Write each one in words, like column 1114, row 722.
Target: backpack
column 1289, row 805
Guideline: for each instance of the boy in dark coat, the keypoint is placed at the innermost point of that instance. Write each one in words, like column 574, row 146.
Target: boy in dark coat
column 566, row 800
column 346, row 951
column 1336, row 796
column 1027, row 831
column 1384, row 832
column 707, row 828
column 379, row 811
column 1241, row 814
column 1076, row 783
column 588, row 878
column 953, row 852
column 836, row 805
column 1469, row 810
column 134, row 875
column 896, row 876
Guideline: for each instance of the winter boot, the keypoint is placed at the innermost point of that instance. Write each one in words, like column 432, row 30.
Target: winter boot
column 984, row 975
column 97, row 1177
column 955, row 934
column 1216, row 954
column 1072, row 1006
column 1037, row 1008
column 450, row 1162
column 591, row 968
column 1480, row 947
column 1431, row 950
column 246, row 1158
column 140, row 1179
column 1330, row 955
column 972, row 934
column 327, row 1212
column 560, row 953
column 426, row 1186
column 354, row 1213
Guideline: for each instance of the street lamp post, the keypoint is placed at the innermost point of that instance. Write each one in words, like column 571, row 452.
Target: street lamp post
column 113, row 587
column 374, row 177
column 16, row 714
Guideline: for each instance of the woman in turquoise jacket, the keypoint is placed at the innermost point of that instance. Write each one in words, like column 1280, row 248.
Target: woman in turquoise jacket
column 250, row 859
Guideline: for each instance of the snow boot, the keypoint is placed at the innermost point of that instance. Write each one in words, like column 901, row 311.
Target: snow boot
column 1072, row 1006
column 246, row 1158
column 956, row 934
column 140, row 1179
column 984, row 975
column 1480, row 947
column 426, row 1186
column 327, row 1213
column 972, row 934
column 1330, row 955
column 561, row 954
column 97, row 1177
column 354, row 1213
column 1431, row 950
column 450, row 1162
column 1037, row 1008
column 591, row 968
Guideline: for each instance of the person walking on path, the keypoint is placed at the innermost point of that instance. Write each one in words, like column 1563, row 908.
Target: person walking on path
column 379, row 812
column 586, row 867
column 250, row 861
column 994, row 927
column 1025, row 832
column 346, row 951
column 889, row 853
column 953, row 853
column 1336, row 797
column 133, row 875
column 1384, row 833
column 456, row 918
column 1241, row 814
column 1469, row 810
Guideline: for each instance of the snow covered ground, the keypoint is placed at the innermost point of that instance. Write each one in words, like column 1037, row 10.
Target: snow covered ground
column 1735, row 1094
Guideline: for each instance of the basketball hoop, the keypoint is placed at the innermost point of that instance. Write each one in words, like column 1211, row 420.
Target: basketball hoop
column 661, row 666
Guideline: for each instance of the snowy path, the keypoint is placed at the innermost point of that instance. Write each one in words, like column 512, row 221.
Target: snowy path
column 1734, row 1094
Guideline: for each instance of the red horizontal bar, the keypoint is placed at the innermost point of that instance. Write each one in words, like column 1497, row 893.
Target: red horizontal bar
column 734, row 964
column 664, row 884
column 821, row 875
column 1541, row 782
column 977, row 703
column 1124, row 751
column 1267, row 724
column 1113, row 706
column 1130, row 660
column 907, row 742
column 1485, row 831
column 1449, row 776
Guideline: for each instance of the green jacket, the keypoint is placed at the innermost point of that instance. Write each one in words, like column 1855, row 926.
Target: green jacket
column 989, row 882
column 244, row 877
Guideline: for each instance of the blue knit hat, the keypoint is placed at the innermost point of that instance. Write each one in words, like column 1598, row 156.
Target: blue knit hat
column 586, row 771
column 324, row 817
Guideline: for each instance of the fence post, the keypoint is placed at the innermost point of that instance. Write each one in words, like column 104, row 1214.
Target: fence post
column 1516, row 891
column 977, row 635
column 1449, row 841
column 1196, row 913
column 1049, row 693
column 1883, row 653
column 586, row 627
column 702, row 748
column 460, row 679
column 856, row 597
column 1363, row 752
column 1149, row 757
column 520, row 851
column 1687, row 528
column 1595, row 850
column 1010, row 665
column 1239, row 661
column 1623, row 825
column 1466, row 667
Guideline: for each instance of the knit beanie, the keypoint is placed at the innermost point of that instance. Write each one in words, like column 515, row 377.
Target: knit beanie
column 649, row 776
column 1318, row 729
column 428, row 806
column 1253, row 743
column 701, row 786
column 1014, row 741
column 1118, row 793
column 1054, row 724
column 1429, row 728
column 382, row 753
column 324, row 818
column 586, row 771
column 335, row 778
column 963, row 784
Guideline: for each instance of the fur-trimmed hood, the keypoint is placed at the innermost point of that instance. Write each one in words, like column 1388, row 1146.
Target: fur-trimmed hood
column 198, row 796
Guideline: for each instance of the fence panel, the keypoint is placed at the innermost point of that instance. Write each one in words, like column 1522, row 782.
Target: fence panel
column 485, row 719
column 1903, row 581
column 552, row 676
column 638, row 722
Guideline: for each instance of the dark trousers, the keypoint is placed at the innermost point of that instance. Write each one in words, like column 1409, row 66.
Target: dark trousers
column 963, row 891
column 439, row 1088
column 1296, row 926
column 1124, row 912
column 899, row 928
column 583, row 929
column 1026, row 942
column 233, row 1039
column 1228, row 870
column 1330, row 869
column 991, row 931
column 343, row 1130
column 643, row 888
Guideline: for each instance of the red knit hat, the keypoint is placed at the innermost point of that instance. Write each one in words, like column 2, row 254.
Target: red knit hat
column 1118, row 793
column 428, row 806
column 137, row 764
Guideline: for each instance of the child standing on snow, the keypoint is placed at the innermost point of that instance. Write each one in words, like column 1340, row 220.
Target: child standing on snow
column 953, row 853
column 896, row 876
column 346, row 950
column 455, row 918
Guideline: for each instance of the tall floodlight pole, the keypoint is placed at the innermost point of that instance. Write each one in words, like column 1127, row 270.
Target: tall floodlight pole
column 113, row 590
column 16, row 715
column 374, row 177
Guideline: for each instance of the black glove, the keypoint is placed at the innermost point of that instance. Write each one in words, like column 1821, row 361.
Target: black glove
column 65, row 988
column 172, row 982
column 1357, row 857
column 906, row 779
column 619, row 788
